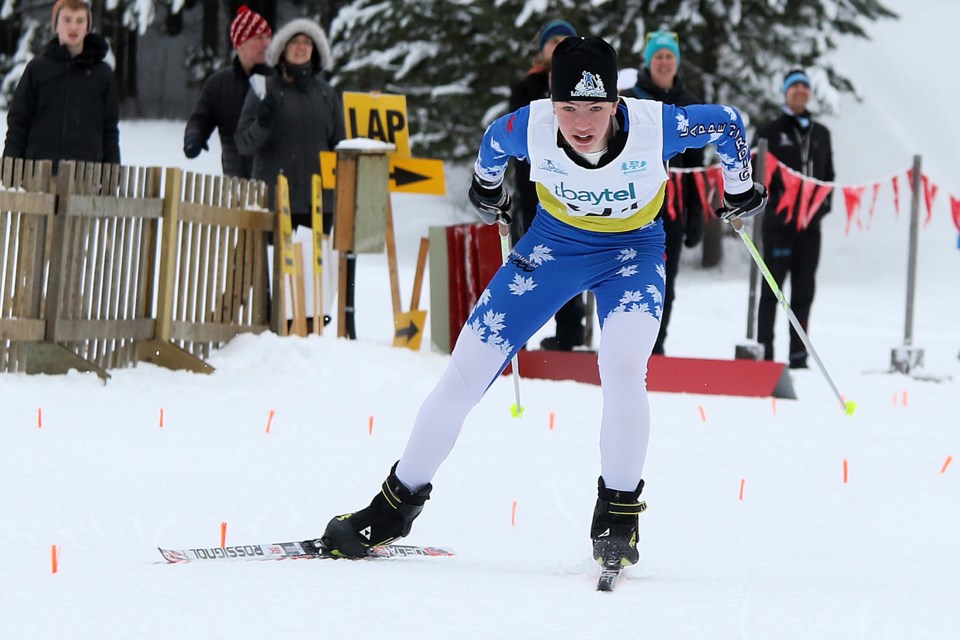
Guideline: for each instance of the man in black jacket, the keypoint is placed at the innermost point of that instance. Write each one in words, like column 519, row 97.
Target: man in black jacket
column 65, row 106
column 223, row 93
column 683, row 215
column 791, row 240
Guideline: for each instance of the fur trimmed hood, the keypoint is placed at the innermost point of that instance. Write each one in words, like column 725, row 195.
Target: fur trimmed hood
column 321, row 46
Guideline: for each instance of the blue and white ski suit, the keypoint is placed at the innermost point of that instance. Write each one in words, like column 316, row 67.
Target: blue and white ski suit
column 596, row 230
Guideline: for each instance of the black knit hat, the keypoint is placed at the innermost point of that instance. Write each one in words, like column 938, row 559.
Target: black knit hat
column 584, row 70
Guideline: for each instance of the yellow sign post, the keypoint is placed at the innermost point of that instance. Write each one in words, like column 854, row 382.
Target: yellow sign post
column 317, row 221
column 290, row 265
column 378, row 116
column 407, row 175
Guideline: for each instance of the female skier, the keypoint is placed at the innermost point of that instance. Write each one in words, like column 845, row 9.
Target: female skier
column 599, row 164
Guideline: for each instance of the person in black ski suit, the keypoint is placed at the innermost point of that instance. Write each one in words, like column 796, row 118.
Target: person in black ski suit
column 65, row 106
column 683, row 216
column 223, row 93
column 792, row 245
column 535, row 86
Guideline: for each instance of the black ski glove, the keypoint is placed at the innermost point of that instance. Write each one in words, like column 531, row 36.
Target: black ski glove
column 267, row 111
column 193, row 143
column 492, row 203
column 743, row 205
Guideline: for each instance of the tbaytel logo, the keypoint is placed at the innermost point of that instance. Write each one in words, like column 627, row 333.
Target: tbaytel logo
column 552, row 167
column 633, row 166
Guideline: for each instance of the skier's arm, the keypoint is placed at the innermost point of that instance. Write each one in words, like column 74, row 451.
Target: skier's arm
column 698, row 125
column 506, row 137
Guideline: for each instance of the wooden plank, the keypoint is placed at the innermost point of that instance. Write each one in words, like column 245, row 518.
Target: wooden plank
column 26, row 202
column 96, row 206
column 8, row 224
column 22, row 329
column 200, row 213
column 168, row 248
column 392, row 263
column 105, row 330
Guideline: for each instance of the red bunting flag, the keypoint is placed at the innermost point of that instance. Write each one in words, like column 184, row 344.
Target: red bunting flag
column 670, row 198
column 873, row 204
column 770, row 168
column 929, row 194
column 715, row 180
column 702, row 192
column 852, row 197
column 678, row 191
column 807, row 187
column 816, row 200
column 791, row 187
column 955, row 211
column 896, row 195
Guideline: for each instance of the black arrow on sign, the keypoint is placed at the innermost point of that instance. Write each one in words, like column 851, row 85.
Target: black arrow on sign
column 403, row 177
column 408, row 332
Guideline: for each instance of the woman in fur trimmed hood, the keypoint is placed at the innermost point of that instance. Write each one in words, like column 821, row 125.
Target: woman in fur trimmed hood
column 299, row 116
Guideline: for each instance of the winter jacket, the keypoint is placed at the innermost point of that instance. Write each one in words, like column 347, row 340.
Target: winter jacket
column 66, row 108
column 221, row 101
column 308, row 120
column 806, row 149
column 689, row 217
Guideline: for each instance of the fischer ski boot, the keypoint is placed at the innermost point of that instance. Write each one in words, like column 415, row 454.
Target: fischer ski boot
column 389, row 517
column 614, row 528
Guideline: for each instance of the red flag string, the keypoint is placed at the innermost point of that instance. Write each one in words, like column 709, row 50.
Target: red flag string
column 671, row 212
column 873, row 204
column 678, row 192
column 896, row 195
column 955, row 211
column 770, row 168
column 929, row 194
column 853, row 196
column 804, row 214
column 816, row 200
column 702, row 192
column 791, row 187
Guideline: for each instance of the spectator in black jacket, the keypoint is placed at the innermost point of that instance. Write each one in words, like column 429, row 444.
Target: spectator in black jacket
column 792, row 244
column 65, row 105
column 223, row 93
column 682, row 216
column 534, row 86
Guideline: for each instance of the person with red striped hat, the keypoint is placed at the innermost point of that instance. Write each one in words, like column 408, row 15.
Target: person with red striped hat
column 223, row 93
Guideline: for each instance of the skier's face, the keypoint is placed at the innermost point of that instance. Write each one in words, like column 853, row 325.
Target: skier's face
column 72, row 27
column 586, row 126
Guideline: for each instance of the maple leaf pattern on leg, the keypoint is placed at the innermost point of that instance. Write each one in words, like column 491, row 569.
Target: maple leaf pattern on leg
column 521, row 285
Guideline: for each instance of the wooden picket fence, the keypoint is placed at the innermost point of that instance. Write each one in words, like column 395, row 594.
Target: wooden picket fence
column 104, row 266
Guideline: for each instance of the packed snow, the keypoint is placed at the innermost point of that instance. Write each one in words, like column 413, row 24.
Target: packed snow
column 767, row 519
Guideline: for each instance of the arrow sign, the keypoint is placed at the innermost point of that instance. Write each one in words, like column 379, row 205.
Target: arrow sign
column 408, row 328
column 407, row 175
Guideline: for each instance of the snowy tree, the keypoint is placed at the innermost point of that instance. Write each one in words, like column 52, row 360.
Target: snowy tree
column 456, row 59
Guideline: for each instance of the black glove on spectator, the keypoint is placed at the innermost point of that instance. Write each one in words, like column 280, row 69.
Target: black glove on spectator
column 193, row 143
column 267, row 111
column 743, row 205
column 491, row 203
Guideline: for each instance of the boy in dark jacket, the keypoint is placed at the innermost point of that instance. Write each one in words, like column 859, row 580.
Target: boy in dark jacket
column 223, row 93
column 792, row 244
column 65, row 106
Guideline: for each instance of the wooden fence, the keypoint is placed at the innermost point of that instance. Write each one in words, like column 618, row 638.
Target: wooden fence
column 107, row 265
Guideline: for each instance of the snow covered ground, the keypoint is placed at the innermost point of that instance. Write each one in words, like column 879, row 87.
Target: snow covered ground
column 802, row 555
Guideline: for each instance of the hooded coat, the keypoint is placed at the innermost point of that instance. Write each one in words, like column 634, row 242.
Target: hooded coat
column 66, row 108
column 308, row 120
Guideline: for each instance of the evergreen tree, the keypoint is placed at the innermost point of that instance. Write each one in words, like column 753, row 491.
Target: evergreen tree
column 456, row 59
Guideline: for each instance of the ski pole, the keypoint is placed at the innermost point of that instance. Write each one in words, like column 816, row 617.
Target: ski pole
column 847, row 405
column 517, row 409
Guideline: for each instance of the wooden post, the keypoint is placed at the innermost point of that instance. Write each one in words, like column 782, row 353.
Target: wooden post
column 168, row 252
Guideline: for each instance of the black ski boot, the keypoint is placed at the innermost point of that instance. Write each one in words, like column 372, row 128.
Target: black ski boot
column 389, row 517
column 614, row 528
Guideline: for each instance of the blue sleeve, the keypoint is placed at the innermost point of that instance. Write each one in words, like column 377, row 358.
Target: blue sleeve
column 505, row 138
column 696, row 126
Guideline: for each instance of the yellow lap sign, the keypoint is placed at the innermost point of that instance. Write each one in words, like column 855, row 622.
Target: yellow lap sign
column 378, row 116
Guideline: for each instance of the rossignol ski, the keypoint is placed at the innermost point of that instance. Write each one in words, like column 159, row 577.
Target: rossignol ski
column 305, row 550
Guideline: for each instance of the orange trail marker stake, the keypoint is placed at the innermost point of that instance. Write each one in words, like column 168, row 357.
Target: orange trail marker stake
column 946, row 463
column 370, row 426
column 743, row 481
column 161, row 417
column 894, row 401
column 223, row 534
column 513, row 514
column 846, row 471
column 703, row 414
column 39, row 418
column 54, row 558
column 552, row 418
column 773, row 405
column 270, row 420
column 904, row 402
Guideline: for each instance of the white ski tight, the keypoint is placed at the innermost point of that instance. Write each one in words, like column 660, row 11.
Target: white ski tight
column 626, row 343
